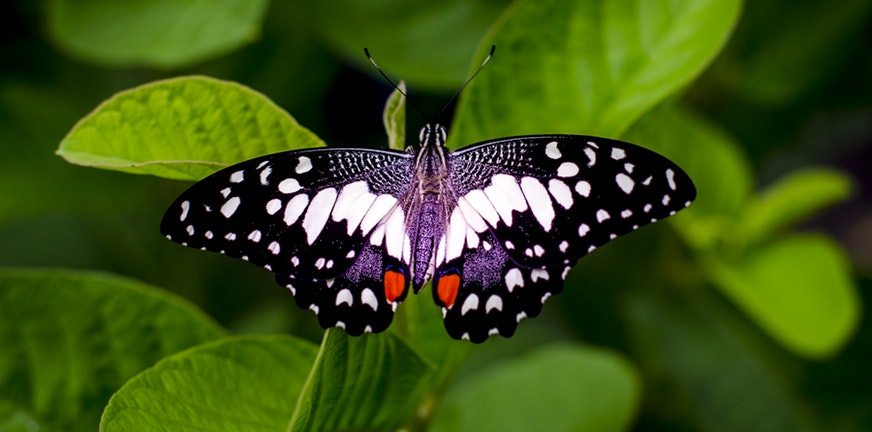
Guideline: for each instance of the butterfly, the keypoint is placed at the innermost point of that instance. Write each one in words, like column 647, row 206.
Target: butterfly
column 496, row 226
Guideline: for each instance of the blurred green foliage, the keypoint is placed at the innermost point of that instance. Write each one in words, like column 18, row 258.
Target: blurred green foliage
column 743, row 312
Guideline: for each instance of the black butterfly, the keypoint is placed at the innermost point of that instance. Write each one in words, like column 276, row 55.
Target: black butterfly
column 496, row 225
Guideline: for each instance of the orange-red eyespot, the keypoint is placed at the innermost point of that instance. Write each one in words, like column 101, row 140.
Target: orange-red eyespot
column 395, row 284
column 447, row 289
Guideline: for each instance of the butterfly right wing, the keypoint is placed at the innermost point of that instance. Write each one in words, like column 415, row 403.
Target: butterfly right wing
column 315, row 218
column 527, row 208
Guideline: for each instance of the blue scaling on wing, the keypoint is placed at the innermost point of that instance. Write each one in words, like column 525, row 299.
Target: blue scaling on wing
column 525, row 209
column 316, row 218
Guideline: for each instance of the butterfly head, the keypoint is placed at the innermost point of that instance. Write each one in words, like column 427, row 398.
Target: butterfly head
column 432, row 136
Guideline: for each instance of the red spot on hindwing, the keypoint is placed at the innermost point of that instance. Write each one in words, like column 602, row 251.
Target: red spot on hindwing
column 395, row 285
column 447, row 289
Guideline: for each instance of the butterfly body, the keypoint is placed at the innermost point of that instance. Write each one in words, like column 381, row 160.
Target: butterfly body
column 496, row 225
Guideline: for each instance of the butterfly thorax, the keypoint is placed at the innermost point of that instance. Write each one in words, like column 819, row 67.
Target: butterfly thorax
column 426, row 202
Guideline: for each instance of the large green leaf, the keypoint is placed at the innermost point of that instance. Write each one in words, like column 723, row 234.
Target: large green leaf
column 429, row 44
column 798, row 289
column 791, row 199
column 162, row 33
column 708, row 370
column 557, row 388
column 371, row 382
column 70, row 339
column 183, row 128
column 589, row 66
column 248, row 383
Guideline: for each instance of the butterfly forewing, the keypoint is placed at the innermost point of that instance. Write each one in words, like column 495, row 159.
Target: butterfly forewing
column 314, row 217
column 529, row 208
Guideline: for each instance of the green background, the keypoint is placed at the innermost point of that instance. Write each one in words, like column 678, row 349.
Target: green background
column 743, row 312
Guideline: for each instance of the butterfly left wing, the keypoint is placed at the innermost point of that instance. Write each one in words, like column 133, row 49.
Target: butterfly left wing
column 314, row 217
column 527, row 208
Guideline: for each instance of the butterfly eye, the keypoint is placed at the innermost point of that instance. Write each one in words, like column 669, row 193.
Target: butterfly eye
column 422, row 136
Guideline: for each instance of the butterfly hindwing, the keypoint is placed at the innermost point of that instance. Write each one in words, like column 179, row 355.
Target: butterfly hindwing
column 313, row 217
column 530, row 207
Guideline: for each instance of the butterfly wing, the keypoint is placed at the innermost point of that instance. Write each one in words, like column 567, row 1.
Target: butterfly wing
column 528, row 208
column 314, row 217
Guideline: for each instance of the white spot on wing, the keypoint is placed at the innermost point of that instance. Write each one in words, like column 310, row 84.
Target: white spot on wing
column 456, row 235
column 237, row 177
column 318, row 213
column 626, row 213
column 552, row 151
column 273, row 206
column 493, row 302
column 591, row 156
column 625, row 182
column 540, row 202
column 583, row 188
column 618, row 154
column 254, row 236
column 480, row 202
column 346, row 199
column 368, row 298
column 380, row 207
column 186, row 205
column 304, row 164
column 473, row 218
column 344, row 296
column 666, row 200
column 567, row 169
column 538, row 250
column 264, row 176
column 583, row 229
column 274, row 247
column 602, row 215
column 506, row 196
column 190, row 230
column 295, row 208
column 471, row 303
column 563, row 246
column 561, row 193
column 230, row 206
column 395, row 231
column 514, row 278
column 670, row 178
column 289, row 186
column 537, row 274
column 358, row 210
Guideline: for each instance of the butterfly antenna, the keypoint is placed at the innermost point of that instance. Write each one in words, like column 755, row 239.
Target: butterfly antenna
column 385, row 76
column 456, row 94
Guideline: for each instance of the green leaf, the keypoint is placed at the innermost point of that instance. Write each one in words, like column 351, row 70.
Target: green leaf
column 708, row 370
column 798, row 289
column 793, row 198
column 589, row 66
column 183, row 128
column 557, row 388
column 394, row 118
column 70, row 339
column 721, row 173
column 369, row 382
column 426, row 43
column 161, row 33
column 248, row 383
